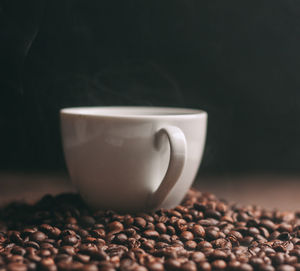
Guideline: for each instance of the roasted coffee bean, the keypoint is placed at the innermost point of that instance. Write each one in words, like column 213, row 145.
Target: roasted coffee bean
column 16, row 267
column 268, row 224
column 172, row 264
column 218, row 265
column 69, row 240
column 115, row 227
column 203, row 245
column 140, row 222
column 161, row 228
column 37, row 236
column 286, row 267
column 186, row 236
column 198, row 231
column 70, row 250
column 212, row 234
column 190, row 245
column 155, row 266
column 189, row 266
column 245, row 267
column 203, row 233
column 151, row 234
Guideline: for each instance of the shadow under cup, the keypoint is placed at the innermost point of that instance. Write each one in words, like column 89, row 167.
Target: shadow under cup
column 132, row 159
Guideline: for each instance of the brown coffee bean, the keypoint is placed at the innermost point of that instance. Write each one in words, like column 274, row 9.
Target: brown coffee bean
column 151, row 234
column 63, row 257
column 218, row 254
column 69, row 240
column 140, row 268
column 186, row 236
column 245, row 267
column 190, row 245
column 198, row 257
column 266, row 267
column 172, row 264
column 218, row 265
column 256, row 262
column 203, row 245
column 44, row 253
column 38, row 236
column 82, row 258
column 204, row 266
column 278, row 258
column 165, row 238
column 16, row 267
column 155, row 266
column 115, row 227
column 189, row 266
column 268, row 224
column 212, row 234
column 202, row 233
column 161, row 228
column 140, row 222
column 198, row 230
column 285, row 267
column 97, row 233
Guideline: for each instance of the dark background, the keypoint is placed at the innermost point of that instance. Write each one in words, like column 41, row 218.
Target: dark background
column 238, row 60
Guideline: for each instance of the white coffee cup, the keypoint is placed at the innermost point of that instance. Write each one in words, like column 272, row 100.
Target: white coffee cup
column 132, row 159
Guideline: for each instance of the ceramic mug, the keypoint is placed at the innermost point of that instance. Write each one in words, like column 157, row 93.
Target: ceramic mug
column 132, row 159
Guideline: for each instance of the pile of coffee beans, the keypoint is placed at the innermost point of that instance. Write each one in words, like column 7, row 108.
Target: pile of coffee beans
column 204, row 233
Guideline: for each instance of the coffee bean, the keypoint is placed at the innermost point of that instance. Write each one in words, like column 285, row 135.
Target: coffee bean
column 266, row 267
column 155, row 266
column 186, row 236
column 190, row 245
column 203, row 245
column 218, row 265
column 202, row 233
column 70, row 250
column 151, row 234
column 172, row 264
column 285, row 267
column 198, row 257
column 140, row 222
column 63, row 257
column 278, row 258
column 37, row 236
column 212, row 234
column 44, row 253
column 219, row 254
column 69, row 240
column 245, row 267
column 161, row 228
column 16, row 267
column 189, row 266
column 198, row 230
column 115, row 227
column 268, row 224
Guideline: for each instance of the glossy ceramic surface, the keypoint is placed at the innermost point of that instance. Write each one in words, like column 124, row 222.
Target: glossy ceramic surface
column 117, row 157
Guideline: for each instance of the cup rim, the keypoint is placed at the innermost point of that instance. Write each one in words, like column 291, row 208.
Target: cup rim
column 128, row 112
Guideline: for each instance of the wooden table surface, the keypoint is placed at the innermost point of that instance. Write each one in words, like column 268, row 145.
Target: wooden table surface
column 270, row 191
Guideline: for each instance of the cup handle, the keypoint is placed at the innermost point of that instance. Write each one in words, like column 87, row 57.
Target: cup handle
column 178, row 151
